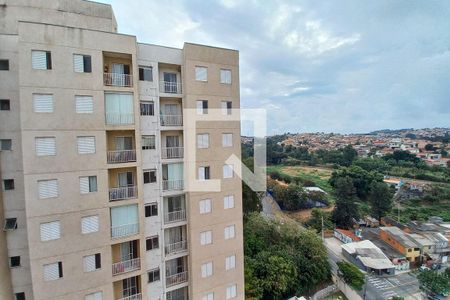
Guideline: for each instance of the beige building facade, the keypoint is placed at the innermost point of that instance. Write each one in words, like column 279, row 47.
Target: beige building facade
column 96, row 157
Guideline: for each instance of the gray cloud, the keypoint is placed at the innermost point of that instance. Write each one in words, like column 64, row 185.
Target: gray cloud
column 334, row 66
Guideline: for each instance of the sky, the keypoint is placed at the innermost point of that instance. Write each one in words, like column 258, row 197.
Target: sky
column 345, row 66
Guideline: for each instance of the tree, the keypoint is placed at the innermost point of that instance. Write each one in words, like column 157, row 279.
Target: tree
column 380, row 198
column 351, row 274
column 315, row 222
column 429, row 147
column 348, row 155
column 345, row 209
column 434, row 282
column 360, row 178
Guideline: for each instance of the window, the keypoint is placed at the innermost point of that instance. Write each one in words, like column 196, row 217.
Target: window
column 50, row 231
column 8, row 184
column 20, row 296
column 89, row 224
column 206, row 237
column 45, row 146
column 94, row 296
column 209, row 296
column 5, row 104
column 147, row 108
column 231, row 291
column 207, row 269
column 82, row 63
column 228, row 202
column 225, row 76
column 153, row 275
column 5, row 144
column 227, row 140
column 149, row 176
column 229, row 232
column 86, row 144
column 201, row 73
column 203, row 140
column 53, row 271
column 205, row 206
column 84, row 104
column 4, row 65
column 203, row 173
column 119, row 108
column 48, row 188
column 124, row 220
column 92, row 262
column 88, row 184
column 10, row 224
column 14, row 261
column 43, row 103
column 145, row 73
column 148, row 142
column 227, row 171
column 202, row 107
column 41, row 60
column 226, row 107
column 151, row 209
column 152, row 243
column 230, row 262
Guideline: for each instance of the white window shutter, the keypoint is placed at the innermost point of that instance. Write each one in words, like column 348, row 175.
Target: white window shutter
column 89, row 224
column 51, row 272
column 39, row 60
column 45, row 146
column 50, row 231
column 86, row 144
column 78, row 63
column 89, row 263
column 228, row 202
column 43, row 103
column 94, row 296
column 48, row 188
column 84, row 104
column 84, row 185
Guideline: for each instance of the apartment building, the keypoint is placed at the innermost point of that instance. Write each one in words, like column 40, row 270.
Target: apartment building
column 97, row 150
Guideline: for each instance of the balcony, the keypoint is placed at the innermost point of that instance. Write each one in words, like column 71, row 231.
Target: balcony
column 119, row 119
column 175, row 216
column 172, row 152
column 123, row 193
column 170, row 87
column 121, row 156
column 126, row 266
column 118, row 79
column 175, row 279
column 173, row 185
column 175, row 247
column 124, row 230
column 133, row 297
column 171, row 120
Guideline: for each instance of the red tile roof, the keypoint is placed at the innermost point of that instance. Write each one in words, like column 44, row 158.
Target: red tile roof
column 348, row 233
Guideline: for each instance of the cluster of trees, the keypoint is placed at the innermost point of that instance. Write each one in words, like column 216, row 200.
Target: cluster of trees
column 281, row 259
column 351, row 274
column 435, row 283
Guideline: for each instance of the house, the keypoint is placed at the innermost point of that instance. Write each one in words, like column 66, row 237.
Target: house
column 345, row 236
column 400, row 241
column 368, row 257
column 371, row 222
column 395, row 182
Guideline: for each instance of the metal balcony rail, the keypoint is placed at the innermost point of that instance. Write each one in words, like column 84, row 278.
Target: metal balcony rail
column 124, row 230
column 119, row 118
column 117, row 79
column 122, row 193
column 175, row 216
column 133, row 297
column 172, row 185
column 121, row 156
column 176, row 279
column 170, row 87
column 176, row 247
column 126, row 266
column 171, row 120
column 172, row 152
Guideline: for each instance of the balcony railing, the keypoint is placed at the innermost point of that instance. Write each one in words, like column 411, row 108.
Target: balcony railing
column 176, row 279
column 126, row 266
column 172, row 185
column 175, row 216
column 121, row 156
column 172, row 152
column 170, row 87
column 176, row 247
column 124, row 230
column 133, row 297
column 119, row 118
column 117, row 79
column 171, row 120
column 122, row 193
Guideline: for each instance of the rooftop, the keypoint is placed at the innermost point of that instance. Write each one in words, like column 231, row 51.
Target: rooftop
column 400, row 236
column 369, row 254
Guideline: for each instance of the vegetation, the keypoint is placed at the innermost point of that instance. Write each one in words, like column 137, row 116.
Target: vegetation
column 435, row 283
column 315, row 222
column 281, row 260
column 345, row 209
column 351, row 274
column 380, row 198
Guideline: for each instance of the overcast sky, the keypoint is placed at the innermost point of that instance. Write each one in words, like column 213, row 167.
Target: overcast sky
column 333, row 66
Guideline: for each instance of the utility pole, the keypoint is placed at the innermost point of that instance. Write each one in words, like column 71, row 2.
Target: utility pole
column 398, row 211
column 323, row 236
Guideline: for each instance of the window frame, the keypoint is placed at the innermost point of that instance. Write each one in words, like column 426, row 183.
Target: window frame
column 143, row 68
column 197, row 73
column 226, row 77
column 6, row 61
column 151, row 209
column 5, row 103
column 152, row 243
column 151, row 109
column 10, row 186
column 153, row 272
column 15, row 261
column 150, row 177
column 149, row 137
